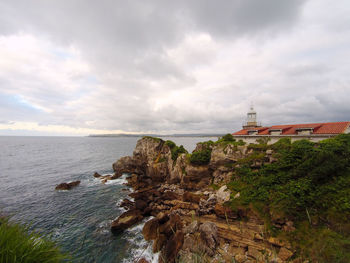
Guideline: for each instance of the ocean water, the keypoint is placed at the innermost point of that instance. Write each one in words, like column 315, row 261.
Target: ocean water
column 79, row 219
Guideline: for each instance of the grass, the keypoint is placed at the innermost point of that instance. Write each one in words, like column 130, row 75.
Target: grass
column 19, row 244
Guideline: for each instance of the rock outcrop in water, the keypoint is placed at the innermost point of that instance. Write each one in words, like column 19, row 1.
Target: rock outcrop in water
column 67, row 186
column 190, row 217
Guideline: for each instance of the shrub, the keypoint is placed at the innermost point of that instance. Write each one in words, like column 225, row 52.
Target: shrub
column 175, row 150
column 228, row 138
column 200, row 157
column 18, row 244
column 171, row 144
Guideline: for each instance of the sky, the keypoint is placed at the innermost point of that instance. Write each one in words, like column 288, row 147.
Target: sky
column 79, row 67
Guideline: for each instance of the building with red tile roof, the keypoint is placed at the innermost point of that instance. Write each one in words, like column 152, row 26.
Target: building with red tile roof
column 312, row 131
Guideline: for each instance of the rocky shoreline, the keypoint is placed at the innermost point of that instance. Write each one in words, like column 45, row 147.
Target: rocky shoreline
column 191, row 219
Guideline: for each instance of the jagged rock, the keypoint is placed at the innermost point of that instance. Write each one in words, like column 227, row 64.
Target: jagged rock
column 150, row 228
column 191, row 197
column 257, row 236
column 126, row 220
column 191, row 228
column 127, row 204
column 197, row 177
column 239, row 258
column 209, row 236
column 207, row 206
column 225, row 212
column 221, row 176
column 189, row 243
column 124, row 165
column 140, row 205
column 177, row 204
column 278, row 242
column 67, row 186
column 132, row 180
column 173, row 246
column 169, row 195
column 254, row 253
column 97, row 175
column 177, row 171
column 159, row 242
column 201, row 147
column 171, row 226
column 285, row 254
column 157, row 171
column 223, row 195
column 143, row 260
column 224, row 154
column 162, row 217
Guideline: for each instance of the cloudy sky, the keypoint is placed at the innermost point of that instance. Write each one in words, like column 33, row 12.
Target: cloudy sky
column 187, row 66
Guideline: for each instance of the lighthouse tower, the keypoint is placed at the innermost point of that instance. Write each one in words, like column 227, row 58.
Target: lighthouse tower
column 251, row 119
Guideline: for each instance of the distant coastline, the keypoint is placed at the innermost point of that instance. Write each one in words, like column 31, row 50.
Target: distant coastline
column 158, row 135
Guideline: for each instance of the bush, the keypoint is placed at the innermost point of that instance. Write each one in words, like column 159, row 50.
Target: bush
column 228, row 138
column 18, row 244
column 171, row 144
column 200, row 157
column 175, row 150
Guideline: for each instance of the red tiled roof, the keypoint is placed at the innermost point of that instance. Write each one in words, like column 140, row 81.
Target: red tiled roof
column 317, row 128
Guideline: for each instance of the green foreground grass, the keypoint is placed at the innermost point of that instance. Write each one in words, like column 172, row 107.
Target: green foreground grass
column 19, row 244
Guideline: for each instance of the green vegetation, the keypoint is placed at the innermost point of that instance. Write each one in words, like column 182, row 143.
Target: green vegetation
column 175, row 150
column 200, row 157
column 228, row 139
column 18, row 244
column 203, row 155
column 310, row 185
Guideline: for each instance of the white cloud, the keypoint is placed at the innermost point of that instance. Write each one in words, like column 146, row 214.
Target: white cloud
column 172, row 67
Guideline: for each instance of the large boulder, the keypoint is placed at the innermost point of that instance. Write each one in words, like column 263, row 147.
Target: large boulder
column 148, row 150
column 150, row 229
column 196, row 177
column 173, row 247
column 158, row 172
column 226, row 154
column 191, row 197
column 177, row 170
column 223, row 195
column 124, row 165
column 225, row 212
column 171, row 226
column 67, row 186
column 127, row 204
column 126, row 220
column 209, row 237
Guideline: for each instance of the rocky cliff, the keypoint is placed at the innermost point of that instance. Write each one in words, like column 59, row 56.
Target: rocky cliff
column 187, row 196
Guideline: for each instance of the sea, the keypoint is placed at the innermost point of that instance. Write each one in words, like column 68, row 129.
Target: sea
column 78, row 220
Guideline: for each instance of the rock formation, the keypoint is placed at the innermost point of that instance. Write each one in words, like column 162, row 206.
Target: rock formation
column 189, row 217
column 67, row 186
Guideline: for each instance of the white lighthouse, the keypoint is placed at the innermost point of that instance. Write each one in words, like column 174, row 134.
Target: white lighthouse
column 251, row 119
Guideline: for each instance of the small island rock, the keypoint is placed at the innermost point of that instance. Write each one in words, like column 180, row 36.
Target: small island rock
column 67, row 186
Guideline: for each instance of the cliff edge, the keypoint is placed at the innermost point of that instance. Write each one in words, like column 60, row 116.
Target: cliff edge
column 215, row 204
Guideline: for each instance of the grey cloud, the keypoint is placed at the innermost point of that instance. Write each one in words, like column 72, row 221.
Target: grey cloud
column 227, row 18
column 126, row 42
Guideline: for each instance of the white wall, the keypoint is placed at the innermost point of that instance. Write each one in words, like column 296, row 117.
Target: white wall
column 274, row 138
